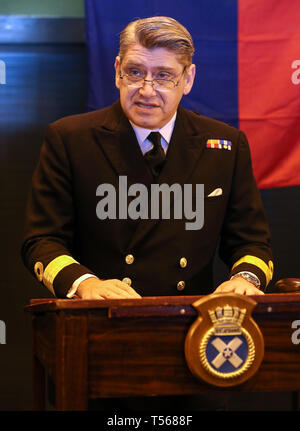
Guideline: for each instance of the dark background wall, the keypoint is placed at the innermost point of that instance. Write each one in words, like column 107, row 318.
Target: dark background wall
column 46, row 78
column 54, row 8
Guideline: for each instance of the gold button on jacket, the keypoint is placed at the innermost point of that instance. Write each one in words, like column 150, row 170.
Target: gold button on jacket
column 183, row 262
column 127, row 280
column 180, row 285
column 129, row 259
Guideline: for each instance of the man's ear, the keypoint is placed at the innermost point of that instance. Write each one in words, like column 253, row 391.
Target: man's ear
column 117, row 70
column 189, row 79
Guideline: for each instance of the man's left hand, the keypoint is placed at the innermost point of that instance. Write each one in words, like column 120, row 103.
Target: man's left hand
column 238, row 285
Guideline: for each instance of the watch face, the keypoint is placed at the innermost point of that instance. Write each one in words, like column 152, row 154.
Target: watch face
column 252, row 279
column 249, row 277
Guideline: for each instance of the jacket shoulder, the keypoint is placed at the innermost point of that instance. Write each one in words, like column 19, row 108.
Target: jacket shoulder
column 106, row 117
column 80, row 122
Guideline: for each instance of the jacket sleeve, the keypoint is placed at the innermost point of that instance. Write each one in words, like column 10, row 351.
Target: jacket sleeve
column 245, row 238
column 48, row 244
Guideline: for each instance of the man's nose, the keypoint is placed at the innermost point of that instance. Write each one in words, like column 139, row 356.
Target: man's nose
column 147, row 89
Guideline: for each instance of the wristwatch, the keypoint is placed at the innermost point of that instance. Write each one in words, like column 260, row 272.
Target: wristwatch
column 252, row 278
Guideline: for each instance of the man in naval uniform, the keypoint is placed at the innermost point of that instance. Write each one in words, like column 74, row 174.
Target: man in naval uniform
column 78, row 245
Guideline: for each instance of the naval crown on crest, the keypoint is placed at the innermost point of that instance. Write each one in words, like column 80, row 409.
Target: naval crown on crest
column 227, row 320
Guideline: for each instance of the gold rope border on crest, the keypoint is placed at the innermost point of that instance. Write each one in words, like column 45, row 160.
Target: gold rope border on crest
column 233, row 374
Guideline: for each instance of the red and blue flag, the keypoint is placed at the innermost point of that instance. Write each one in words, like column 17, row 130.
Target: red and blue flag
column 247, row 55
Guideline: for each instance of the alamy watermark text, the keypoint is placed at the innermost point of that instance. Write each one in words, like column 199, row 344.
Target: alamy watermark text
column 2, row 332
column 188, row 202
column 2, row 72
column 296, row 334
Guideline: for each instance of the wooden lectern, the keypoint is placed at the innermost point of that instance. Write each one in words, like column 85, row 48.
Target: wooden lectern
column 121, row 348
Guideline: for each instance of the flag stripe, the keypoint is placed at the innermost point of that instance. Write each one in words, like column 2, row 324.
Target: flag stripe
column 269, row 100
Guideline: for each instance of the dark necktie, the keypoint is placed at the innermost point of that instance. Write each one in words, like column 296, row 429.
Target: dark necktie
column 156, row 156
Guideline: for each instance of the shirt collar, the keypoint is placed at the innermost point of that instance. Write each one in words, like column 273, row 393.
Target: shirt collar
column 165, row 131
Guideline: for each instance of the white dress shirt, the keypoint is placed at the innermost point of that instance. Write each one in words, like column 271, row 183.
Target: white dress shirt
column 165, row 131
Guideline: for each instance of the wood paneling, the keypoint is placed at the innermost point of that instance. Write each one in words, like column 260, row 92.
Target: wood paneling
column 136, row 347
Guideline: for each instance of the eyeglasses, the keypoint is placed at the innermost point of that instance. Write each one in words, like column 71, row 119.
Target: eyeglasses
column 136, row 81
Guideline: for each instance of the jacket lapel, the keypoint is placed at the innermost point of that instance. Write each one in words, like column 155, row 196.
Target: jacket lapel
column 185, row 148
column 117, row 140
column 184, row 152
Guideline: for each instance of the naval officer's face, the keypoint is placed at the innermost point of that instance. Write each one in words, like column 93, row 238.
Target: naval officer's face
column 150, row 106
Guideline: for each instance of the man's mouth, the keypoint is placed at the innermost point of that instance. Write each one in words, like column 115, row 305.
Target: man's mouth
column 146, row 105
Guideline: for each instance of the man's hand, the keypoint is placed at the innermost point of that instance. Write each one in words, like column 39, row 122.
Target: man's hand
column 94, row 288
column 238, row 285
